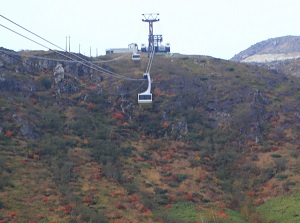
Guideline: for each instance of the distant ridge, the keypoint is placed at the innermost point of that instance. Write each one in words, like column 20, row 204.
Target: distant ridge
column 274, row 49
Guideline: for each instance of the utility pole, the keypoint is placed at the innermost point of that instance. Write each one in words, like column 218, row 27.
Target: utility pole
column 151, row 18
column 69, row 43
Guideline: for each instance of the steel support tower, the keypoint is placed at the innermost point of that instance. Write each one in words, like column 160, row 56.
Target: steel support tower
column 152, row 39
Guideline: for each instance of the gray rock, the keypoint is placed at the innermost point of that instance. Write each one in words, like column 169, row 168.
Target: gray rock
column 59, row 73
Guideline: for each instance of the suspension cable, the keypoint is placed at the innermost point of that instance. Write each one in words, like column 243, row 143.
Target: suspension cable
column 13, row 53
column 93, row 66
column 36, row 57
column 150, row 61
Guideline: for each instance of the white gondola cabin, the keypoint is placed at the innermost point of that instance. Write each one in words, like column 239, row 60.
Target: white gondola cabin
column 136, row 57
column 145, row 98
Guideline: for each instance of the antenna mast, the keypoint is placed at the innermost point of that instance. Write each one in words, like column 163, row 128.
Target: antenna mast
column 151, row 18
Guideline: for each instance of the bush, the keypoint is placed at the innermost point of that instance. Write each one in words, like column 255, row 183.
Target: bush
column 181, row 177
column 4, row 182
column 53, row 145
column 173, row 184
column 146, row 156
column 46, row 82
column 1, row 204
column 89, row 215
column 294, row 154
column 281, row 164
column 230, row 69
column 289, row 183
column 160, row 191
column 282, row 176
column 275, row 155
column 104, row 151
column 267, row 174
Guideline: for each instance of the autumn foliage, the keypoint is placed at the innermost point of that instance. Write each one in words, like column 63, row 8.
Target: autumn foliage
column 91, row 105
column 12, row 214
column 8, row 133
column 87, row 200
column 45, row 199
column 120, row 206
column 223, row 214
column 118, row 116
column 33, row 100
column 67, row 208
column 168, row 206
column 91, row 87
column 202, row 175
column 24, row 162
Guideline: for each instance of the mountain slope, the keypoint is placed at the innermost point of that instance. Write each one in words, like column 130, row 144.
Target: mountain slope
column 220, row 140
column 281, row 54
column 275, row 49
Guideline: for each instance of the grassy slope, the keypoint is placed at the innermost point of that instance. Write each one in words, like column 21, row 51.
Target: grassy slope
column 281, row 209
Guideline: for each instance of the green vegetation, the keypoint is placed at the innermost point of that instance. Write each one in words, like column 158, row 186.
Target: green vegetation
column 234, row 217
column 187, row 212
column 180, row 212
column 275, row 155
column 281, row 209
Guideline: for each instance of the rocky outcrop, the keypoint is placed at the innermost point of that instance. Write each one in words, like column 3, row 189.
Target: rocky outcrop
column 281, row 54
column 267, row 58
column 65, row 72
column 59, row 73
column 11, row 83
column 32, row 62
column 281, row 48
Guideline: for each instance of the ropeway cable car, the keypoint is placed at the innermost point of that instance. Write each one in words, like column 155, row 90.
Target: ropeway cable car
column 136, row 57
column 145, row 98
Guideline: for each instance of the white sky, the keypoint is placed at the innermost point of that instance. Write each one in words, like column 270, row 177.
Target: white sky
column 218, row 28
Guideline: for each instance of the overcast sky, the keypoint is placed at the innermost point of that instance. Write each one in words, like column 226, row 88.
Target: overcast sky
column 218, row 28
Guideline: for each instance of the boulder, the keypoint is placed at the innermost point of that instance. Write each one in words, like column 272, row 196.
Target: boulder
column 59, row 73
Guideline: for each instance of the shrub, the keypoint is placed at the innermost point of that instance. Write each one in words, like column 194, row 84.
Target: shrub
column 160, row 191
column 181, row 177
column 163, row 202
column 173, row 184
column 230, row 69
column 267, row 174
column 89, row 215
column 1, row 204
column 4, row 182
column 46, row 82
column 146, row 156
column 294, row 154
column 289, row 183
column 53, row 145
column 275, row 155
column 281, row 164
column 282, row 176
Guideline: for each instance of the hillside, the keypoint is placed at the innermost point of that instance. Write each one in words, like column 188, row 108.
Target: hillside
column 221, row 143
column 281, row 54
column 275, row 49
